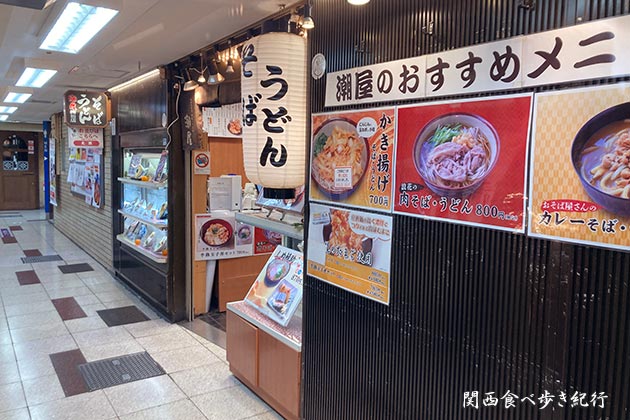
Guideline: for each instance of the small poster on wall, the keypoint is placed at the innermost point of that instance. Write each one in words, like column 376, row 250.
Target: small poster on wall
column 580, row 175
column 464, row 161
column 224, row 121
column 265, row 241
column 201, row 163
column 352, row 158
column 351, row 249
column 52, row 165
column 220, row 236
column 277, row 291
column 85, row 137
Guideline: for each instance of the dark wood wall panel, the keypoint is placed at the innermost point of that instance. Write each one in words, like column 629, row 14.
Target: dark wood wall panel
column 471, row 308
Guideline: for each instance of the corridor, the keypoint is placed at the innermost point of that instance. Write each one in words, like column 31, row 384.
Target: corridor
column 54, row 323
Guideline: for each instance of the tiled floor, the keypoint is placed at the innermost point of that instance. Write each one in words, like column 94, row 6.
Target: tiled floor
column 48, row 312
column 215, row 318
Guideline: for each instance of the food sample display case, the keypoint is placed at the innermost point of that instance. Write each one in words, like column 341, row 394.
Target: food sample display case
column 144, row 216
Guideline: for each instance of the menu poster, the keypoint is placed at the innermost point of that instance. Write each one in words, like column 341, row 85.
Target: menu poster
column 579, row 175
column 52, row 165
column 352, row 157
column 277, row 291
column 351, row 249
column 224, row 121
column 92, row 180
column 160, row 174
column 464, row 161
column 266, row 241
column 220, row 236
column 135, row 168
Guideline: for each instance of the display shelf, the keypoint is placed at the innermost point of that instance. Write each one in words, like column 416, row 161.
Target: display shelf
column 264, row 220
column 144, row 184
column 150, row 255
column 291, row 335
column 159, row 224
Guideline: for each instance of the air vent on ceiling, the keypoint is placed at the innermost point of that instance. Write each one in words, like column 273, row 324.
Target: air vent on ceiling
column 36, row 101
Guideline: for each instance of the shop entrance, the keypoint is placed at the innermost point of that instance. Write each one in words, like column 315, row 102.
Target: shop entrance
column 19, row 171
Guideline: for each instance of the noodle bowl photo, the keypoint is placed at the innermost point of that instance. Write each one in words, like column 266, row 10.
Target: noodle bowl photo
column 336, row 145
column 216, row 232
column 454, row 153
column 601, row 158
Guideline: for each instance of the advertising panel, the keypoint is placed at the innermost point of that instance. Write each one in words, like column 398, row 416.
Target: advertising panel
column 464, row 161
column 352, row 157
column 277, row 291
column 351, row 249
column 220, row 236
column 580, row 171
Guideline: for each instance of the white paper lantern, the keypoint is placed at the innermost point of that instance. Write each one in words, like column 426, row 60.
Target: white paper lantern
column 273, row 88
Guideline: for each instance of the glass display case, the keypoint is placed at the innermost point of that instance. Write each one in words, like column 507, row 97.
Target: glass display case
column 144, row 204
column 145, row 255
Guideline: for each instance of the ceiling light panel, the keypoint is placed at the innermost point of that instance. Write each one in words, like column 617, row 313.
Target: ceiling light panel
column 33, row 77
column 8, row 109
column 76, row 26
column 4, row 117
column 16, row 98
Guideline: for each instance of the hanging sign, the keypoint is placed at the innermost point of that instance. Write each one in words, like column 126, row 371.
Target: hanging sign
column 190, row 121
column 464, row 161
column 352, row 158
column 580, row 175
column 85, row 137
column 86, row 109
column 587, row 51
column 273, row 86
column 351, row 249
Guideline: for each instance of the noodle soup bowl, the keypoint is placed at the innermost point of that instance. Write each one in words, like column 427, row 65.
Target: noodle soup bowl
column 327, row 187
column 584, row 137
column 422, row 149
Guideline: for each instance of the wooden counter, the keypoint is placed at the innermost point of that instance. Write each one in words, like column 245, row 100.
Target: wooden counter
column 266, row 357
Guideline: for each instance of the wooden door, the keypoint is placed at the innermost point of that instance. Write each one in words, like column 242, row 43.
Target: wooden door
column 19, row 171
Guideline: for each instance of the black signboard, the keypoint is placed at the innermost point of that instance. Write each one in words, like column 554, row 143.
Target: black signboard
column 86, row 109
column 191, row 118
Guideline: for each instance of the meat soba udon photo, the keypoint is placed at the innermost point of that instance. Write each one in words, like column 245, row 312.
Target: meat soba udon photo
column 454, row 153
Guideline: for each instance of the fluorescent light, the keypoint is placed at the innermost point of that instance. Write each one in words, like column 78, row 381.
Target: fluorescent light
column 16, row 98
column 3, row 117
column 358, row 2
column 135, row 80
column 35, row 77
column 76, row 26
column 8, row 109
